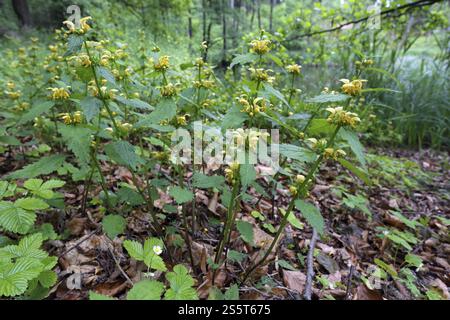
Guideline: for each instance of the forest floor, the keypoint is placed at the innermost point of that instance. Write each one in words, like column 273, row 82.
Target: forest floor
column 409, row 197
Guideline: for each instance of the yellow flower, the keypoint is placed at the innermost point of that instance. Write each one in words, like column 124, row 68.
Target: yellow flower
column 299, row 179
column 168, row 90
column 261, row 75
column 339, row 116
column 294, row 69
column 77, row 117
column 84, row 26
column 260, row 46
column 231, row 172
column 59, row 93
column 293, row 190
column 330, row 153
column 66, row 118
column 181, row 120
column 162, row 64
column 352, row 88
column 10, row 85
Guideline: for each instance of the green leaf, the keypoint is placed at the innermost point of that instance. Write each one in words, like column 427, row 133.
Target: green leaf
column 320, row 126
column 232, row 293
column 113, row 225
column 31, row 204
column 91, row 107
column 47, row 278
column 146, row 290
column 236, row 256
column 413, row 260
column 203, row 181
column 165, row 110
column 181, row 195
column 78, row 140
column 292, row 219
column 247, row 173
column 35, row 111
column 28, row 247
column 274, row 92
column 14, row 277
column 53, row 184
column 243, row 59
column 356, row 146
column 15, row 219
column 135, row 103
column 151, row 259
column 123, row 153
column 328, row 98
column 286, row 265
column 74, row 44
column 386, row 267
column 180, row 285
column 10, row 141
column 134, row 249
column 246, row 230
column 312, row 215
column 356, row 171
column 297, row 153
column 97, row 296
column 43, row 166
column 233, row 118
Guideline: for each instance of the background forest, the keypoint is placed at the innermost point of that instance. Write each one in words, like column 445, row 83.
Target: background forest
column 94, row 207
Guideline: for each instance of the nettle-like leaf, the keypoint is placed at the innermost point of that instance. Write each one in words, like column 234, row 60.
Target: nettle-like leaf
column 145, row 253
column 247, row 173
column 312, row 215
column 293, row 220
column 297, row 153
column 181, row 195
column 180, row 285
column 91, row 107
column 328, row 98
column 15, row 219
column 243, row 59
column 45, row 165
column 146, row 290
column 74, row 44
column 123, row 153
column 246, row 230
column 114, row 225
column 165, row 110
column 78, row 140
column 203, row 181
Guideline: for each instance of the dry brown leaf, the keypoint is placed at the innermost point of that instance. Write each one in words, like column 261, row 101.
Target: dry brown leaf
column 364, row 293
column 294, row 280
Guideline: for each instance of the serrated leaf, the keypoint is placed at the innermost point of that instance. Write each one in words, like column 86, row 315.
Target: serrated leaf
column 356, row 171
column 74, row 44
column 151, row 259
column 320, row 126
column 354, row 143
column 312, row 215
column 97, row 296
column 243, row 59
column 146, row 290
column 123, row 153
column 234, row 118
column 297, row 153
column 165, row 110
column 247, row 173
column 47, row 278
column 43, row 166
column 78, row 140
column 135, row 103
column 31, row 204
column 91, row 107
column 35, row 111
column 246, row 230
column 113, row 225
column 15, row 219
column 292, row 219
column 134, row 249
column 274, row 92
column 203, row 181
column 181, row 195
column 180, row 285
column 14, row 277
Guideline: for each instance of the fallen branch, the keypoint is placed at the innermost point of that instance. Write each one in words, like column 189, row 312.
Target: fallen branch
column 417, row 4
column 310, row 266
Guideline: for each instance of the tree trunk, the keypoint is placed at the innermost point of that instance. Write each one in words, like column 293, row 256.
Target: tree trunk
column 22, row 11
column 259, row 14
column 272, row 3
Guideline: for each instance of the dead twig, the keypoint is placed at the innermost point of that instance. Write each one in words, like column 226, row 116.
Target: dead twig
column 310, row 266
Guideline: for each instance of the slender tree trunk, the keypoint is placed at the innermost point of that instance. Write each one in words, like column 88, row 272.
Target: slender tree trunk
column 252, row 19
column 22, row 11
column 272, row 3
column 259, row 14
column 190, row 29
column 224, row 32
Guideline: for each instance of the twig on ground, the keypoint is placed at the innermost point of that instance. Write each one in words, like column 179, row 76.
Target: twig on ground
column 310, row 266
column 118, row 266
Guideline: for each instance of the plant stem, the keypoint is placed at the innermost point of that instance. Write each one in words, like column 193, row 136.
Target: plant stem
column 284, row 221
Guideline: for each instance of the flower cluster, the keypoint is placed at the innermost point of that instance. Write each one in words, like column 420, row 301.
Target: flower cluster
column 169, row 90
column 59, row 93
column 330, row 153
column 260, row 46
column 294, row 69
column 232, row 172
column 258, row 105
column 261, row 74
column 352, row 88
column 339, row 116
column 162, row 64
column 83, row 27
column 76, row 117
